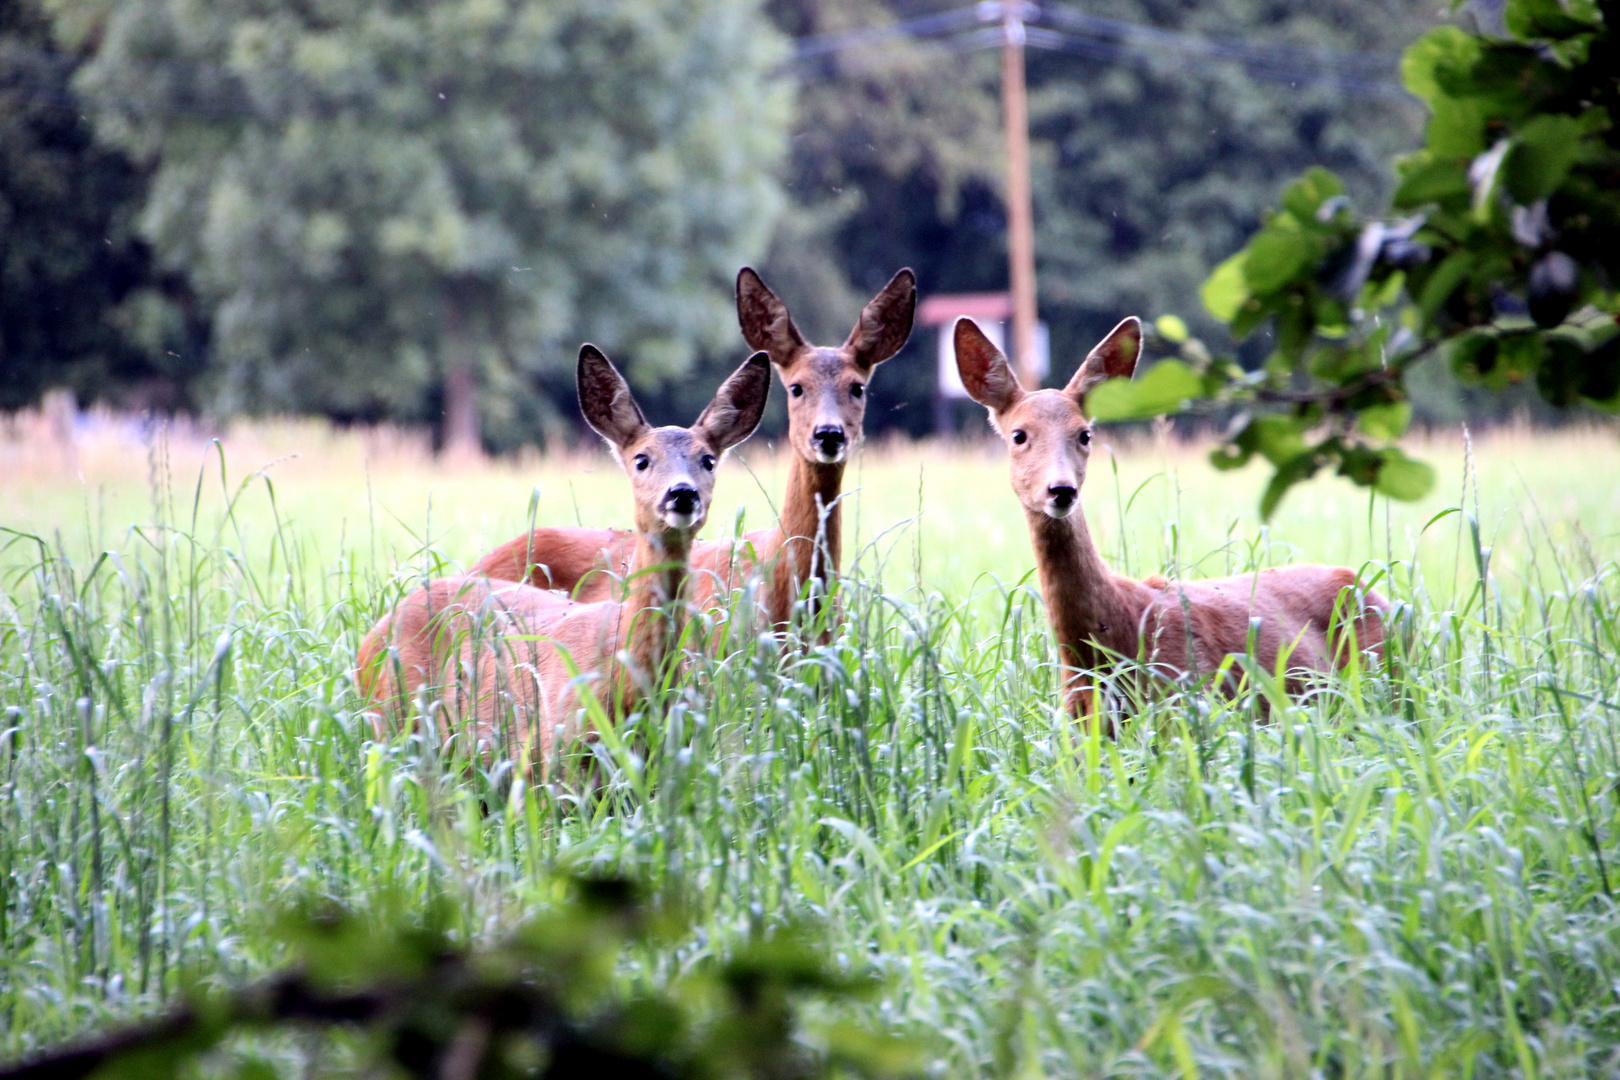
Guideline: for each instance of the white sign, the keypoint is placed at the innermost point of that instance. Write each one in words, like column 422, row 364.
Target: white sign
column 950, row 380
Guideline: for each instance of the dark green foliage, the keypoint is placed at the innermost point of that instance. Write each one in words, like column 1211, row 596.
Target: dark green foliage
column 79, row 304
column 376, row 196
column 1504, row 265
column 545, row 1002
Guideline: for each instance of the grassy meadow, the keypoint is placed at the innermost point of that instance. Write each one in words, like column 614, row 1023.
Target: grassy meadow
column 1399, row 874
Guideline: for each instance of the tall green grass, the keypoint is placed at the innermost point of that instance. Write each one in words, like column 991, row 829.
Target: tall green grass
column 1404, row 873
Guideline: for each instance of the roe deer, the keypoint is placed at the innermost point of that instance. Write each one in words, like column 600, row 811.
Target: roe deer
column 505, row 647
column 826, row 404
column 1314, row 614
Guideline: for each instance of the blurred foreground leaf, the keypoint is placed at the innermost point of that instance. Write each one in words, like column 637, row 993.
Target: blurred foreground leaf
column 544, row 1002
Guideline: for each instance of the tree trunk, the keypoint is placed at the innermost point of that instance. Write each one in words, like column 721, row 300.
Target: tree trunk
column 461, row 437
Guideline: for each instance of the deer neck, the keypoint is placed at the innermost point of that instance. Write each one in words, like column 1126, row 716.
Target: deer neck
column 811, row 512
column 654, row 612
column 1082, row 600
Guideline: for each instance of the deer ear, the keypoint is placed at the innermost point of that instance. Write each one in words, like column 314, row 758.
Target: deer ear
column 766, row 324
column 738, row 405
column 984, row 370
column 885, row 322
column 1114, row 358
column 604, row 398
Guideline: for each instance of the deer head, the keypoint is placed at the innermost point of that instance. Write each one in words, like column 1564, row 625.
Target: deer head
column 1047, row 431
column 671, row 469
column 826, row 387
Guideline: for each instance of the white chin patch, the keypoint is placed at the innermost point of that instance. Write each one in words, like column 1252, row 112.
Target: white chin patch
column 679, row 521
column 1053, row 510
column 829, row 459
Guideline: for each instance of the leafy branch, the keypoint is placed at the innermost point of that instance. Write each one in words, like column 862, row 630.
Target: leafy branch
column 1503, row 262
column 545, row 1003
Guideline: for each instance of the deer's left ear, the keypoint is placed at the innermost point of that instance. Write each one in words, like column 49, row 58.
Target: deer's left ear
column 885, row 322
column 738, row 406
column 1114, row 358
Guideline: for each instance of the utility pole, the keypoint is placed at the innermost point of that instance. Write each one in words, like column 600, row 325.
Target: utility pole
column 1020, row 205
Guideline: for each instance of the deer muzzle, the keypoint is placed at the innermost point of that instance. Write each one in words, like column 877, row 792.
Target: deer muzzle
column 681, row 507
column 1061, row 499
column 830, row 443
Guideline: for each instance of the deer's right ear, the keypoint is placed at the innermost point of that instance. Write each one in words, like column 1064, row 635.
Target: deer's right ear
column 984, row 370
column 738, row 405
column 604, row 398
column 766, row 324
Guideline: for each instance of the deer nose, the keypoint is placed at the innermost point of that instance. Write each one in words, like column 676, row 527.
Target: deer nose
column 830, row 436
column 681, row 499
column 1062, row 496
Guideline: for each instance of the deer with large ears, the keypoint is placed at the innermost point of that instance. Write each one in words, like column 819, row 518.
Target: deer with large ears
column 826, row 405
column 505, row 649
column 1316, row 616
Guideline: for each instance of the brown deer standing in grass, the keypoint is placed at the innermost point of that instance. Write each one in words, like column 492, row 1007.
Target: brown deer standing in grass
column 826, row 405
column 504, row 648
column 1316, row 615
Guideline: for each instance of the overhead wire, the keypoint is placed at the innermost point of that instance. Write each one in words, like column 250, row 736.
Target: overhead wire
column 1062, row 29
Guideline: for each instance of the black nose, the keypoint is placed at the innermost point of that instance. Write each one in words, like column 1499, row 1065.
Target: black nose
column 830, row 436
column 1062, row 494
column 682, row 498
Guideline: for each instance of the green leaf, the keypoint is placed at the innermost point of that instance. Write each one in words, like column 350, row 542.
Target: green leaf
column 1276, row 257
column 1227, row 457
column 1528, row 19
column 1435, row 55
column 1426, row 180
column 1171, row 328
column 1385, row 422
column 1543, row 152
column 1444, row 281
column 1473, row 356
column 1227, row 289
column 1403, row 478
column 1166, row 387
column 1279, row 439
column 1518, row 356
column 1302, row 466
column 1306, row 195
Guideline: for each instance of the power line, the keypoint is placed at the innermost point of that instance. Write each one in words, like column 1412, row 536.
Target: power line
column 1060, row 29
column 1076, row 33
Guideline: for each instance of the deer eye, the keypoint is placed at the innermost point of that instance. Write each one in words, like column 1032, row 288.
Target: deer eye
column 643, row 462
column 796, row 390
column 857, row 391
column 1019, row 438
column 1085, row 437
column 708, row 462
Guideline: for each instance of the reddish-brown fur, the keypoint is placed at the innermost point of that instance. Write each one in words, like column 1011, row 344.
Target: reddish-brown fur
column 502, row 649
column 1177, row 628
column 826, row 394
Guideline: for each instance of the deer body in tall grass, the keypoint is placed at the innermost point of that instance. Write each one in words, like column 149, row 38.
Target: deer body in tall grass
column 1314, row 617
column 513, row 659
column 826, row 408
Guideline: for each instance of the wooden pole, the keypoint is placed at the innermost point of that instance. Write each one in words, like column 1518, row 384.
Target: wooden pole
column 1020, row 208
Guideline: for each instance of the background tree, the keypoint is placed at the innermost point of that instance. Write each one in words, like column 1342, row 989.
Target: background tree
column 1502, row 267
column 408, row 210
column 1151, row 163
column 79, row 305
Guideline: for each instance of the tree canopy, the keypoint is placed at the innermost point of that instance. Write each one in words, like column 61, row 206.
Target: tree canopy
column 80, row 305
column 402, row 210
column 381, row 210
